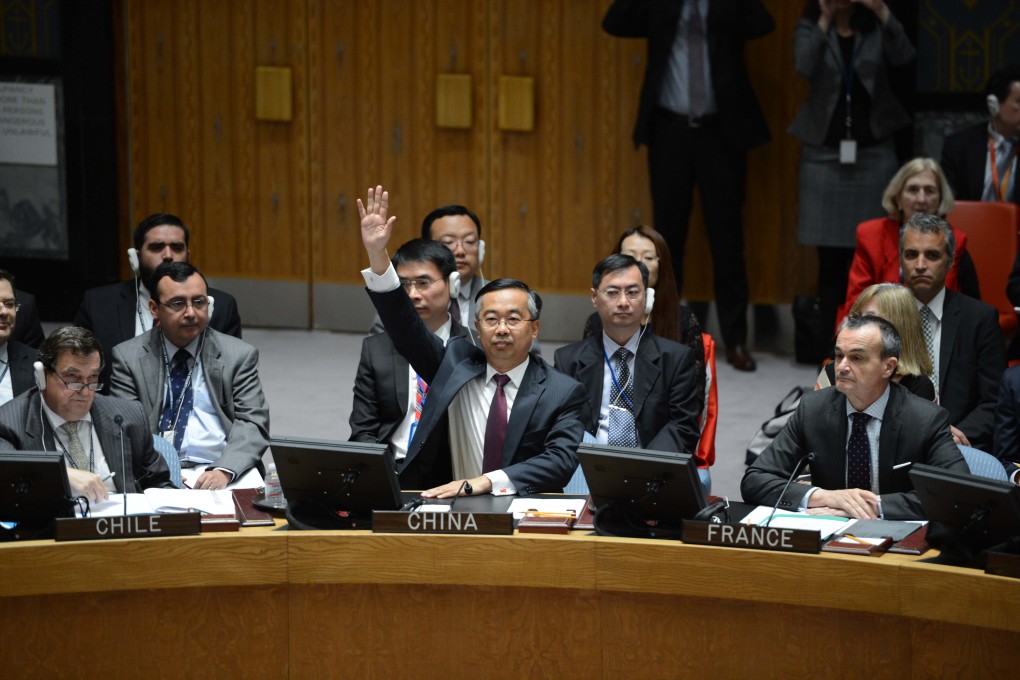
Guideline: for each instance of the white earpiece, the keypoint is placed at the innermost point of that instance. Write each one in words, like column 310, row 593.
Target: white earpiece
column 454, row 284
column 212, row 302
column 649, row 300
column 993, row 104
column 133, row 260
column 40, row 375
column 481, row 252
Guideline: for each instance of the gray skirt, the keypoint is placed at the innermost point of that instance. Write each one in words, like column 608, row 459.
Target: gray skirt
column 835, row 198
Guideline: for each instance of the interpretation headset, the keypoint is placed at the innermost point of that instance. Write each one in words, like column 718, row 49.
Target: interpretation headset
column 454, row 280
column 40, row 375
column 132, row 254
column 481, row 252
column 649, row 300
column 993, row 105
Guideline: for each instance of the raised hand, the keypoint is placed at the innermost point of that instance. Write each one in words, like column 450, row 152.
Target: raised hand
column 376, row 228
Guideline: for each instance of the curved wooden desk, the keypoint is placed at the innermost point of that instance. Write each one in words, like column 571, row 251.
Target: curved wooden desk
column 349, row 604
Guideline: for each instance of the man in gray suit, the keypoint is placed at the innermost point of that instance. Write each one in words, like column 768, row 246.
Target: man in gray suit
column 200, row 388
column 863, row 474
column 63, row 413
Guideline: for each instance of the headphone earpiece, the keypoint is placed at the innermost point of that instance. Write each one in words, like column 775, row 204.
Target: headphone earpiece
column 212, row 303
column 133, row 260
column 454, row 284
column 481, row 252
column 40, row 375
column 993, row 104
column 649, row 300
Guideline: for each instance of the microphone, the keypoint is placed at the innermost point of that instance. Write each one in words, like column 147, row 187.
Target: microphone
column 119, row 421
column 457, row 495
column 806, row 458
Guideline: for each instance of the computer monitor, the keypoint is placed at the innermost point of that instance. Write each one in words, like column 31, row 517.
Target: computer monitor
column 33, row 492
column 968, row 514
column 638, row 492
column 332, row 484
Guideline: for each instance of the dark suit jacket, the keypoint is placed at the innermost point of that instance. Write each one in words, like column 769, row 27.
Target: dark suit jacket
column 964, row 154
column 23, row 427
column 230, row 369
column 1007, row 420
column 730, row 24
column 110, row 313
column 380, row 405
column 27, row 327
column 971, row 362
column 665, row 389
column 21, row 358
column 913, row 430
column 544, row 429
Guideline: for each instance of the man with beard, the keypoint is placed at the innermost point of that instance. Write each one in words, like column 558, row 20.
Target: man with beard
column 120, row 311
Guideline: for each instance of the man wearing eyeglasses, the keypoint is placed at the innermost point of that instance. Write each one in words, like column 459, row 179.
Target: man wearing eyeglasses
column 642, row 390
column 120, row 311
column 389, row 395
column 515, row 423
column 62, row 413
column 200, row 388
column 15, row 358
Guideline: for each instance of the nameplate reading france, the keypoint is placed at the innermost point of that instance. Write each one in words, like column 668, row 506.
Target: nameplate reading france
column 497, row 523
column 128, row 526
column 750, row 536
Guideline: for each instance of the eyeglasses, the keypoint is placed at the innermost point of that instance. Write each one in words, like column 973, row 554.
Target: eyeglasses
column 178, row 304
column 469, row 243
column 77, row 386
column 421, row 284
column 613, row 294
column 512, row 321
column 10, row 305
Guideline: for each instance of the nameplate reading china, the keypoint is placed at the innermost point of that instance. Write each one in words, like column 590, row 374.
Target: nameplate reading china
column 499, row 523
column 128, row 526
column 749, row 536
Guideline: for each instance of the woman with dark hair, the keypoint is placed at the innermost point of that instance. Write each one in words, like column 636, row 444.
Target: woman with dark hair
column 844, row 48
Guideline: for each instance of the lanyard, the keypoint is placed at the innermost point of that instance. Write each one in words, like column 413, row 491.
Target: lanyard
column 167, row 390
column 1001, row 188
column 3, row 375
column 616, row 382
column 848, row 86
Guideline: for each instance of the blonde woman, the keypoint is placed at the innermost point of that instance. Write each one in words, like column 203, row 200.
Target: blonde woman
column 895, row 304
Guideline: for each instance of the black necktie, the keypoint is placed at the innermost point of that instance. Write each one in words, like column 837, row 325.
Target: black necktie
column 858, row 452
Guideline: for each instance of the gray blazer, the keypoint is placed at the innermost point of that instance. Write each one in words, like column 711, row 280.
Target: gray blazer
column 817, row 57
column 24, row 428
column 230, row 368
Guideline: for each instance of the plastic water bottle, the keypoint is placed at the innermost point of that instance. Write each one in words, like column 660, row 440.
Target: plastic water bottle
column 274, row 492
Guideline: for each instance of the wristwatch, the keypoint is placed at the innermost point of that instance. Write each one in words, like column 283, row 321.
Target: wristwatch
column 467, row 488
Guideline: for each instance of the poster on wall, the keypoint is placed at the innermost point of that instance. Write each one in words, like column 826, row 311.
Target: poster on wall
column 33, row 216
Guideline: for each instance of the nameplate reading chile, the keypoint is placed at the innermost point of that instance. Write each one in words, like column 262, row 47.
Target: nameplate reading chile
column 128, row 526
column 498, row 523
column 750, row 536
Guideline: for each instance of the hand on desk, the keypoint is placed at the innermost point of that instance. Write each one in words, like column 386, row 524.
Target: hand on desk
column 212, row 479
column 856, row 503
column 479, row 485
column 87, row 484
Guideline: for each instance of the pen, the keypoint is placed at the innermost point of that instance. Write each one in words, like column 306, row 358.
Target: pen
column 536, row 513
column 854, row 538
column 109, row 476
column 901, row 465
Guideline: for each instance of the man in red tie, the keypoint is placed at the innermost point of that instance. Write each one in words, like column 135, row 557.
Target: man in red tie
column 514, row 422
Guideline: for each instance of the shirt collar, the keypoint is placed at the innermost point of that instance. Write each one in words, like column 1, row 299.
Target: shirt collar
column 998, row 139
column 611, row 346
column 171, row 348
column 936, row 305
column 516, row 373
column 443, row 332
column 877, row 408
column 3, row 352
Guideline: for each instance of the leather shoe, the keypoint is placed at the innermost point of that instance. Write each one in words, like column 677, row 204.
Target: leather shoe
column 738, row 357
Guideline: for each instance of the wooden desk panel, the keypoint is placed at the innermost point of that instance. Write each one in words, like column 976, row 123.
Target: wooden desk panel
column 309, row 604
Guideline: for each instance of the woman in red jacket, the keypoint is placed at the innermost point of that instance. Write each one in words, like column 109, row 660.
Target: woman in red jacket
column 918, row 187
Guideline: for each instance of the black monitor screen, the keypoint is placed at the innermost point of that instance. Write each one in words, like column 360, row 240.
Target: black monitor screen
column 986, row 507
column 647, row 485
column 33, row 492
column 349, row 477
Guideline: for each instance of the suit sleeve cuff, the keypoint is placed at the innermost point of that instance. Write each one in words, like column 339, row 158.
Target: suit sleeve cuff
column 806, row 499
column 381, row 284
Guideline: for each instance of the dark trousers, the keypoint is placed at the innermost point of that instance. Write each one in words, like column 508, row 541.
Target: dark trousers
column 680, row 156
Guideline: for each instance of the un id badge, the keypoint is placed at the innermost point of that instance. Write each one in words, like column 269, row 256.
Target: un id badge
column 848, row 151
